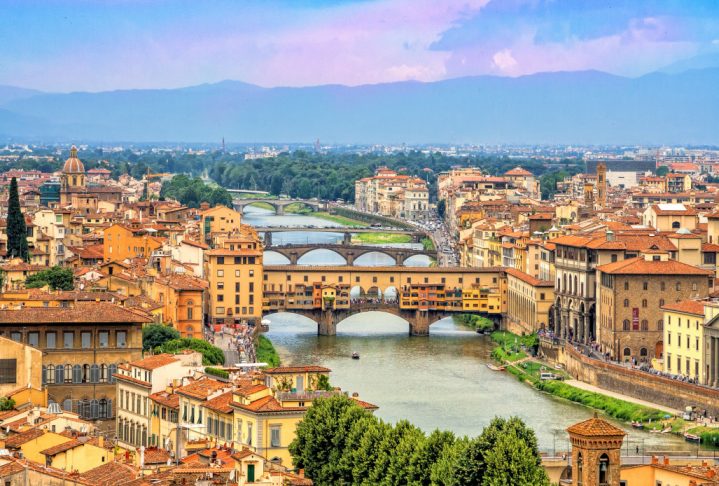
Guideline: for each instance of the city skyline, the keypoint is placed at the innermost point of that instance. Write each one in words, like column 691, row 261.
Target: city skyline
column 83, row 46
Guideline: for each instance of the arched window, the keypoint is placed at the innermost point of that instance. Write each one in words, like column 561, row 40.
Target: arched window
column 68, row 373
column 77, row 374
column 59, row 374
column 661, row 302
column 86, row 373
column 626, row 302
column 644, row 302
column 50, row 374
column 627, row 352
column 102, row 409
column 603, row 469
column 678, row 286
column 103, row 373
column 112, row 369
column 660, row 325
column 643, row 352
column 626, row 285
column 94, row 373
column 67, row 405
column 675, row 225
column 189, row 309
column 645, row 325
column 625, row 325
column 662, row 286
column 576, row 287
column 44, row 375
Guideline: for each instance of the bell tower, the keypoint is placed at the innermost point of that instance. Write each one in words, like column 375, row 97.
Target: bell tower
column 596, row 447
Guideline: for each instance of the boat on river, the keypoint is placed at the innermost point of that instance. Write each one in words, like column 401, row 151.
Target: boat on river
column 494, row 367
column 637, row 425
column 692, row 438
column 355, row 355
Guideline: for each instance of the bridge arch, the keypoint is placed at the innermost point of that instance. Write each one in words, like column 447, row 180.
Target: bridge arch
column 337, row 256
column 258, row 204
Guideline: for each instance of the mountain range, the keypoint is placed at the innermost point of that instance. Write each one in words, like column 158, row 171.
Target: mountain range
column 585, row 107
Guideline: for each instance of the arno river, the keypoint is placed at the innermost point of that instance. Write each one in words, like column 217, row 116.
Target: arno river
column 439, row 381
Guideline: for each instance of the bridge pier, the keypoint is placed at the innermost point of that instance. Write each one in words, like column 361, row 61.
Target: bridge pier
column 347, row 239
column 419, row 323
column 350, row 258
column 326, row 324
column 268, row 239
column 279, row 209
column 399, row 259
column 293, row 258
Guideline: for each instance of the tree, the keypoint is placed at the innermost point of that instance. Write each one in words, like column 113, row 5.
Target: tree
column 16, row 228
column 396, row 453
column 156, row 335
column 57, row 278
column 512, row 462
column 6, row 404
column 320, row 437
column 211, row 355
column 662, row 170
column 441, row 208
column 419, row 470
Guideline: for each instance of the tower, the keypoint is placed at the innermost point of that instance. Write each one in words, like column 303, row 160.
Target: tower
column 596, row 446
column 589, row 195
column 602, row 184
column 72, row 179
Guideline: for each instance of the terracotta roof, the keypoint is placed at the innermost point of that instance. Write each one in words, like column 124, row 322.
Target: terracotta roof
column 535, row 282
column 155, row 455
column 518, row 171
column 595, row 427
column 171, row 400
column 16, row 441
column 111, row 473
column 686, row 307
column 153, row 362
column 82, row 312
column 672, row 211
column 296, row 369
column 201, row 389
column 195, row 244
column 640, row 266
column 220, row 403
column 65, row 446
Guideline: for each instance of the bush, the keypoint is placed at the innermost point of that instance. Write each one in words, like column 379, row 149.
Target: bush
column 266, row 352
column 211, row 355
column 156, row 335
column 217, row 372
column 57, row 278
column 475, row 322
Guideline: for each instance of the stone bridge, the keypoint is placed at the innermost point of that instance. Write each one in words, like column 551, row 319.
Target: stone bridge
column 347, row 233
column 349, row 252
column 278, row 204
column 327, row 320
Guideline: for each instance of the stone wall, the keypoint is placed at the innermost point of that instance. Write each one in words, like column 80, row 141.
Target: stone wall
column 637, row 384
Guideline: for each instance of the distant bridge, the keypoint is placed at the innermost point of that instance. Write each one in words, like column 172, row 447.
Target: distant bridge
column 278, row 204
column 347, row 233
column 349, row 252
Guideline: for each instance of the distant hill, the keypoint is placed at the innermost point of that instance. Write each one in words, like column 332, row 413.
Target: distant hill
column 563, row 107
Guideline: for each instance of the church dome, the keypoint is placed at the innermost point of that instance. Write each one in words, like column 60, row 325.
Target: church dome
column 73, row 165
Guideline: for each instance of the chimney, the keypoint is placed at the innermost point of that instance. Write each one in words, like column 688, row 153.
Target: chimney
column 666, row 460
column 655, row 460
column 711, row 473
column 610, row 235
column 301, row 472
column 101, row 441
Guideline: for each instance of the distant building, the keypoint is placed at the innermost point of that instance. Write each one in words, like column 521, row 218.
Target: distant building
column 391, row 194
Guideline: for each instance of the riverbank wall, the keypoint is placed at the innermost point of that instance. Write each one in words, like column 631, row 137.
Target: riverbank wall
column 638, row 384
column 371, row 218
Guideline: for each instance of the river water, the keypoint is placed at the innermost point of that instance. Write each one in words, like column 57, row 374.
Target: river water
column 439, row 381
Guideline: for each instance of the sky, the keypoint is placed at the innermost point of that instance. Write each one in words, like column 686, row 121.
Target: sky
column 98, row 45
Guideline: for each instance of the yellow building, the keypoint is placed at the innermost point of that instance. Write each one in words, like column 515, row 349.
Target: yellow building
column 77, row 454
column 20, row 367
column 121, row 242
column 691, row 340
column 661, row 472
column 528, row 302
column 219, row 219
column 234, row 273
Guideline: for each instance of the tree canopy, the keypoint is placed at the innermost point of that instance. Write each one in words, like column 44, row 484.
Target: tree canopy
column 57, row 278
column 193, row 191
column 16, row 227
column 156, row 335
column 211, row 355
column 338, row 442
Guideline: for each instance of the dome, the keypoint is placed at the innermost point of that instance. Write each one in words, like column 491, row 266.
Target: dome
column 73, row 165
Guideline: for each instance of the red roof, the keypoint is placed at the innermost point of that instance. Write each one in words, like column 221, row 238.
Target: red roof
column 153, row 362
column 695, row 307
column 518, row 171
column 640, row 266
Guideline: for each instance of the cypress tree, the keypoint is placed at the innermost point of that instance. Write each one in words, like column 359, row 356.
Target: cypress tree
column 16, row 229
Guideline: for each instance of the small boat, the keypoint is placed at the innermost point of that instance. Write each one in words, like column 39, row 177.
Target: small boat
column 691, row 437
column 637, row 425
column 494, row 367
column 557, row 367
column 355, row 355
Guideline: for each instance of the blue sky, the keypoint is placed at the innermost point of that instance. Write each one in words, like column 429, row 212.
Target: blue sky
column 99, row 45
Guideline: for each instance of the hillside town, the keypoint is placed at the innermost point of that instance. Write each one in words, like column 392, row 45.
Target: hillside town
column 615, row 276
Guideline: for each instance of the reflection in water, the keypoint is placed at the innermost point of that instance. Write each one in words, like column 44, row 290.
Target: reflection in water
column 435, row 382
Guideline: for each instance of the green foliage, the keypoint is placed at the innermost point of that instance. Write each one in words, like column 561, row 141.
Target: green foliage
column 16, row 228
column 548, row 181
column 211, row 355
column 662, row 170
column 191, row 192
column 57, row 278
column 6, row 404
column 338, row 442
column 441, row 208
column 427, row 244
column 323, row 383
column 217, row 372
column 156, row 335
column 266, row 352
column 474, row 321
